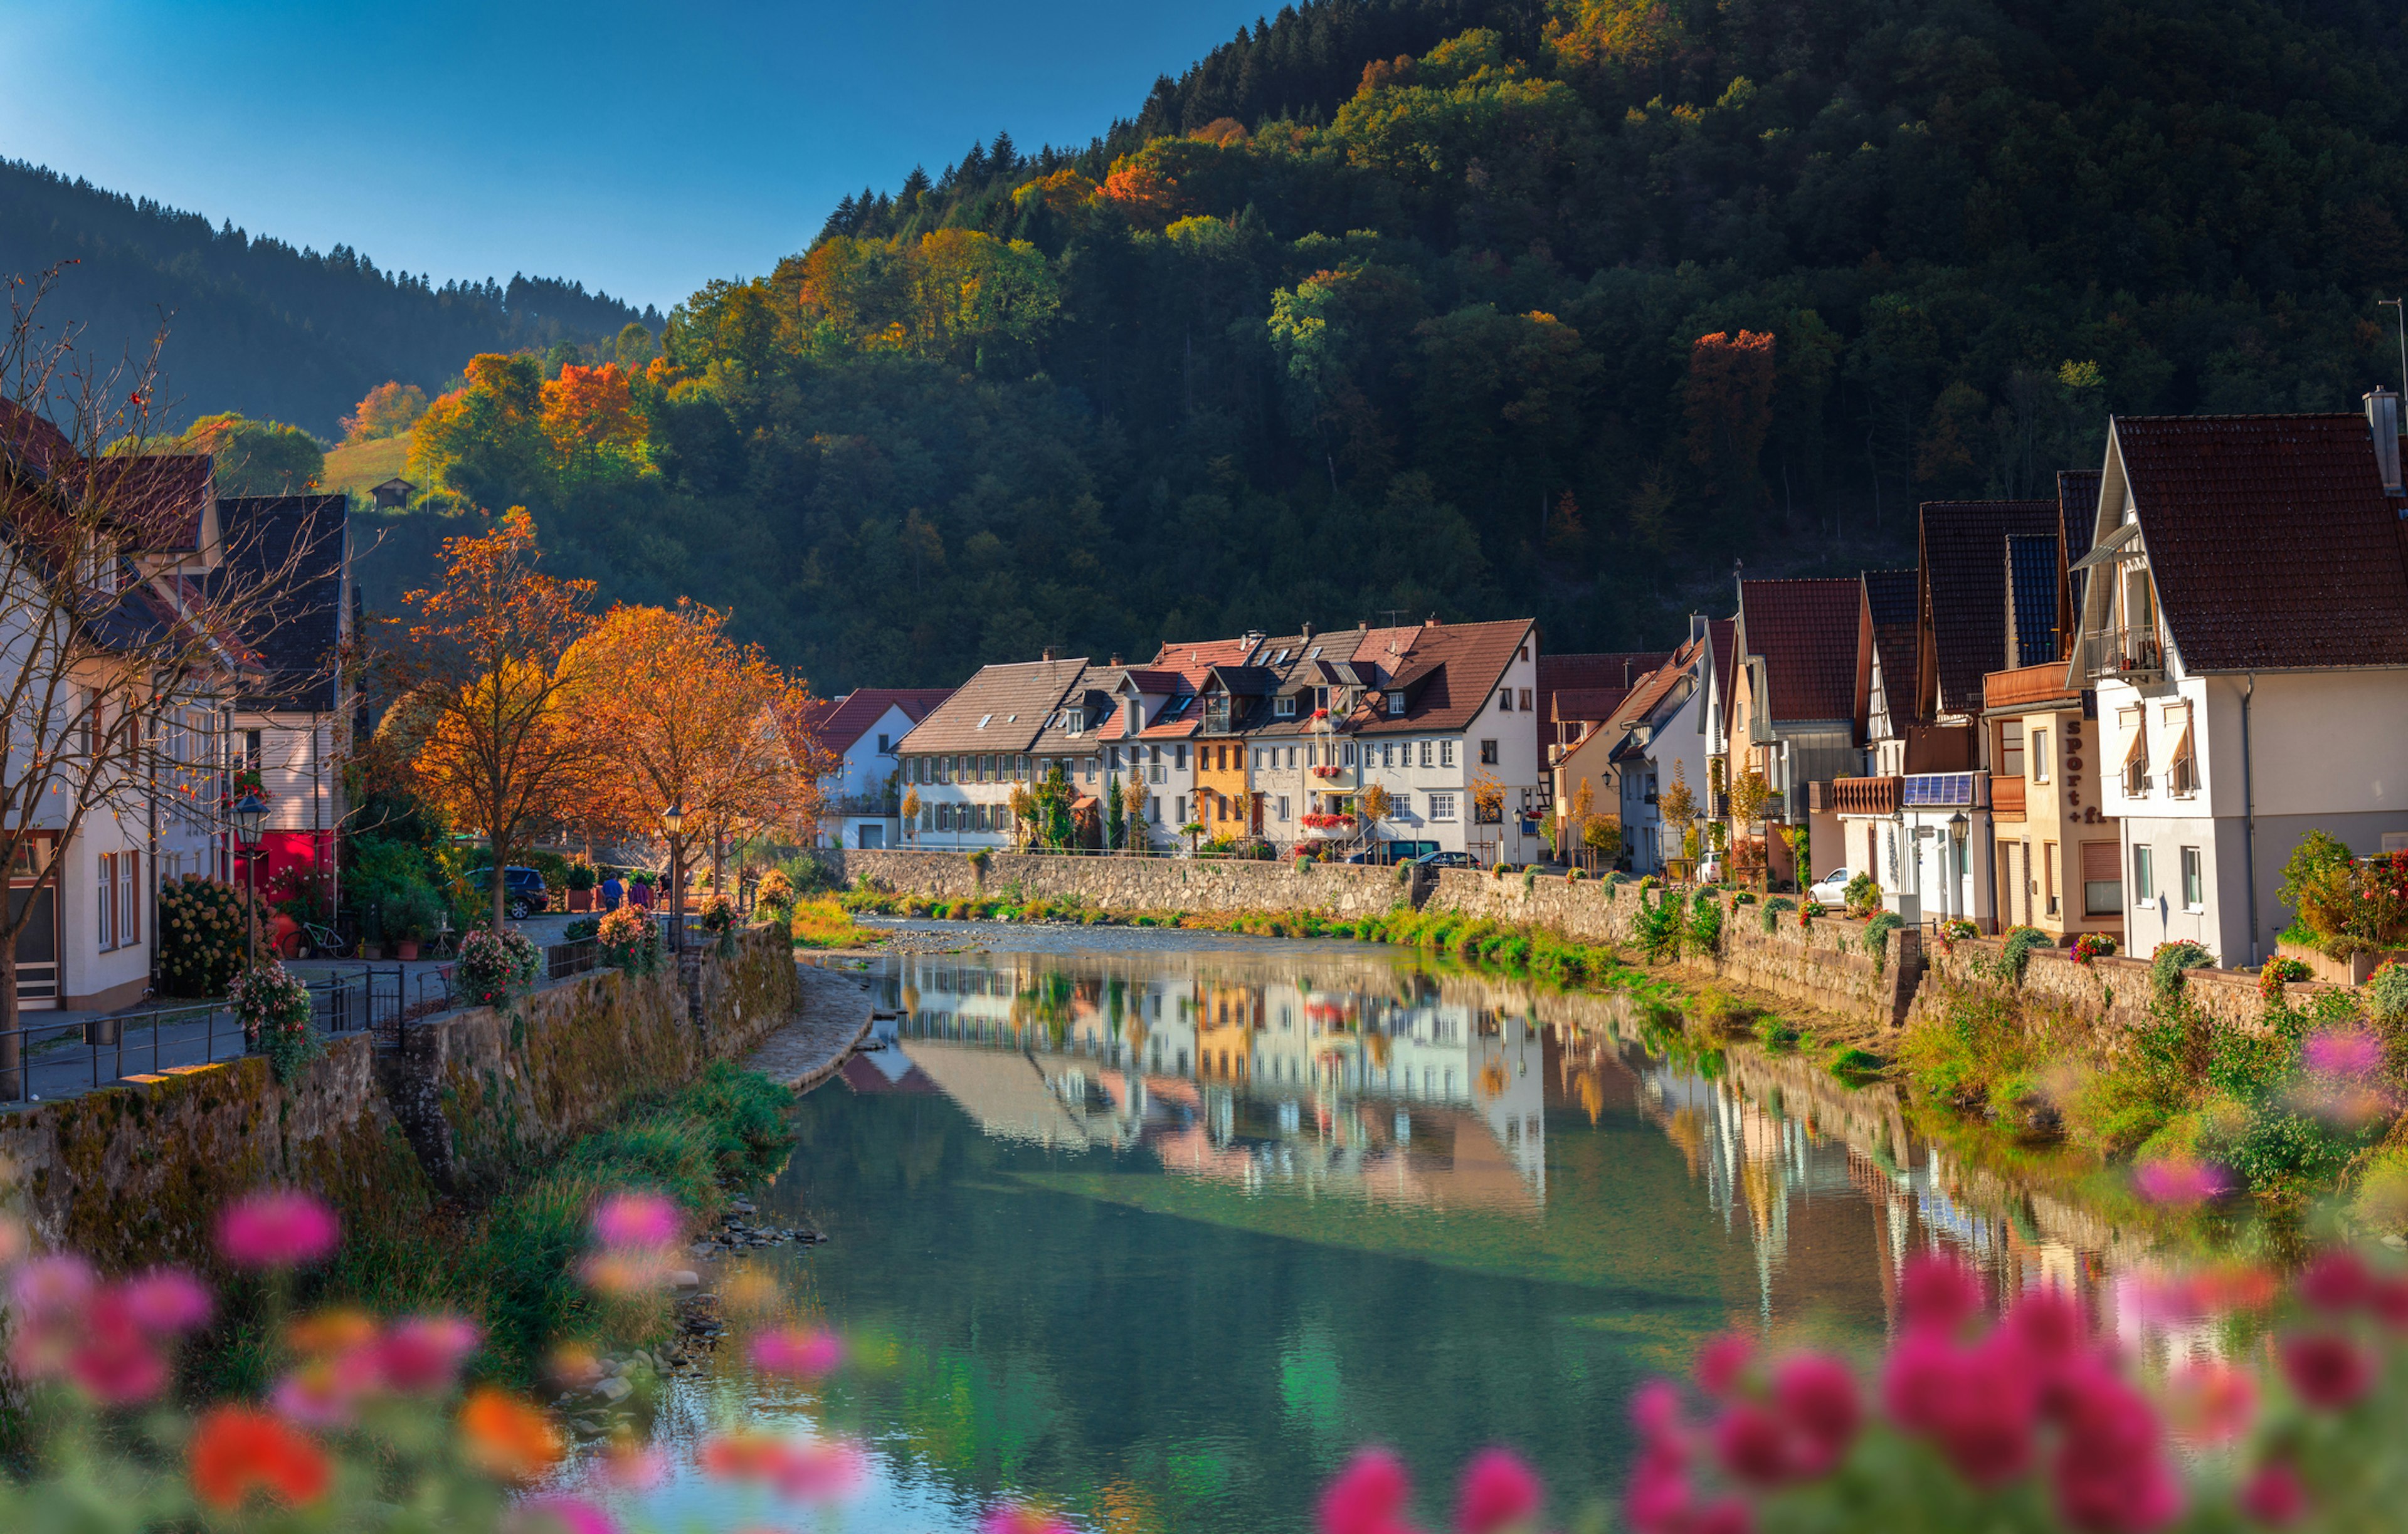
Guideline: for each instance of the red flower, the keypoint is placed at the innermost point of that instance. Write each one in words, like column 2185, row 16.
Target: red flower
column 1367, row 1497
column 1497, row 1491
column 2274, row 1496
column 2330, row 1373
column 238, row 1450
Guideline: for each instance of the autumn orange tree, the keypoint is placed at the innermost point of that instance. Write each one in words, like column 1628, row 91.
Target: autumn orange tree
column 388, row 410
column 691, row 718
column 483, row 728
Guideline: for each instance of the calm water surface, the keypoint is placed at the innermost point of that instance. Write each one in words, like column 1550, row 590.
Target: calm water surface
column 1154, row 1228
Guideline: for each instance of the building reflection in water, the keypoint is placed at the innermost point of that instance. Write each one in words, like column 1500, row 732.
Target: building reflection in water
column 1379, row 1079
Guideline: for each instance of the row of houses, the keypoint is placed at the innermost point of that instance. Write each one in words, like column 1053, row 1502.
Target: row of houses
column 1269, row 738
column 273, row 712
column 2115, row 710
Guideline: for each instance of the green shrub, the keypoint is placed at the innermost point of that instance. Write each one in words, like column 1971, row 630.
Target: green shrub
column 1705, row 934
column 1963, row 1053
column 2167, row 964
column 1775, row 1033
column 1876, row 936
column 2016, row 952
column 1862, row 893
column 2387, row 990
column 1772, row 912
column 202, row 936
column 1657, row 927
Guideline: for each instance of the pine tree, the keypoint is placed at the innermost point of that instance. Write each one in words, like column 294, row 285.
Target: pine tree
column 1114, row 825
column 839, row 222
column 915, row 186
column 1004, row 157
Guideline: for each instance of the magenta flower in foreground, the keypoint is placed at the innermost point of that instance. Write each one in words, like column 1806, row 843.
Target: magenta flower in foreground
column 422, row 1354
column 1023, row 1520
column 1367, row 1498
column 51, row 1286
column 1498, row 1491
column 568, row 1514
column 166, row 1301
column 820, row 1473
column 2274, row 1496
column 2342, row 1051
column 2179, row 1183
column 2330, row 1373
column 636, row 1219
column 798, row 1352
column 276, row 1229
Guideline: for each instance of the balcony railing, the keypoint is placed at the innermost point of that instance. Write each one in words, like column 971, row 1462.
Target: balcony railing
column 2123, row 654
column 1865, row 795
column 2007, row 797
column 2026, row 685
column 864, row 805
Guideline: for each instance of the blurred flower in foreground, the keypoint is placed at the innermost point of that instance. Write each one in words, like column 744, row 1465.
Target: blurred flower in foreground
column 2181, row 1183
column 1023, row 1520
column 801, row 1469
column 2213, row 1403
column 237, row 1450
column 630, row 1464
column 561, row 1515
column 798, row 1352
column 277, row 1229
column 506, row 1437
column 108, row 1340
column 637, row 1234
column 1497, row 1493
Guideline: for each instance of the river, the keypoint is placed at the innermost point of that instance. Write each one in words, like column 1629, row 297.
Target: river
column 1155, row 1227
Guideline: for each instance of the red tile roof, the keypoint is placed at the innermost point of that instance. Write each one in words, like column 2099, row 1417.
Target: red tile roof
column 2270, row 539
column 1964, row 594
column 1585, row 703
column 1450, row 671
column 1806, row 632
column 843, row 722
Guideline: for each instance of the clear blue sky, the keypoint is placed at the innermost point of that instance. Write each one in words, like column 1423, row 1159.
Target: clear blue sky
column 641, row 147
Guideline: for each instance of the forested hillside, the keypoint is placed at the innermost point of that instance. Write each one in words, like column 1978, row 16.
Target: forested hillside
column 256, row 326
column 1481, row 309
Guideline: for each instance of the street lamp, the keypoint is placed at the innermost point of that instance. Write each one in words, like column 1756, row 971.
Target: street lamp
column 674, row 818
column 1959, row 829
column 250, row 816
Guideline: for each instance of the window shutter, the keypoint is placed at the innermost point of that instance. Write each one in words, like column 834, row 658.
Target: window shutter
column 2102, row 860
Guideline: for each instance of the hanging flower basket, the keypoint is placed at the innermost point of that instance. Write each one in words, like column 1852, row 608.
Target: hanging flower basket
column 272, row 1003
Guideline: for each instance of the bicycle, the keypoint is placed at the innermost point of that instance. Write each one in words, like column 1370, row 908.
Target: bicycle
column 324, row 942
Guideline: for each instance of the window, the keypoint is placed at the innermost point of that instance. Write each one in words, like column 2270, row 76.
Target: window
column 1526, row 699
column 1396, row 703
column 2041, row 766
column 1090, row 764
column 1446, row 753
column 2103, row 888
column 2136, row 752
column 1388, row 754
column 2011, row 749
column 1019, row 768
column 1488, row 753
column 1153, row 808
column 1442, row 806
column 2144, row 881
column 1180, row 761
column 129, row 897
column 1179, row 809
column 2194, row 879
column 1350, row 753
column 1505, row 700
column 1284, row 706
column 2182, row 772
column 1319, row 694
column 1283, row 806
column 885, row 746
column 1428, row 749
column 107, row 885
column 2047, row 864
column 1291, row 755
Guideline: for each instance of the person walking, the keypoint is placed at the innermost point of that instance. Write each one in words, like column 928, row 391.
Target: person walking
column 641, row 896
column 612, row 892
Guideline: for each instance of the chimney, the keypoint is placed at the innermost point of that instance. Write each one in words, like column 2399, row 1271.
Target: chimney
column 1696, row 627
column 2383, row 424
column 1115, row 659
column 1307, row 633
column 1363, row 627
column 1051, row 654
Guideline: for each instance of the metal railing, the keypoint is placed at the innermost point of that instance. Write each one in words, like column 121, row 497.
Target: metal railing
column 2132, row 655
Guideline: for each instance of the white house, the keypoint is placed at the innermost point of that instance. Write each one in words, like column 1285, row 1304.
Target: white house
column 2247, row 627
column 965, row 758
column 861, row 799
column 1663, row 741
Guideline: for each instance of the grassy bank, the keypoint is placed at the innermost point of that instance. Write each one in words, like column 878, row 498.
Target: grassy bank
column 510, row 1264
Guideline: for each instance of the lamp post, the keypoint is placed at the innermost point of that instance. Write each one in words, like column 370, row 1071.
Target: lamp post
column 250, row 816
column 1959, row 828
column 674, row 818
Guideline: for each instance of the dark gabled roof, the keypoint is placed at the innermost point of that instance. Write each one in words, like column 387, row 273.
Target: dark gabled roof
column 299, row 645
column 1244, row 681
column 1805, row 631
column 1586, row 704
column 843, row 722
column 1148, row 679
column 2270, row 539
column 1012, row 700
column 30, row 440
column 2077, row 508
column 1590, row 674
column 1889, row 602
column 2031, row 600
column 1964, row 594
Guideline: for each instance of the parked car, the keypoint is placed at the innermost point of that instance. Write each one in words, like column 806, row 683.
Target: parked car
column 1710, row 868
column 1832, row 888
column 1385, row 853
column 1446, row 860
column 522, row 889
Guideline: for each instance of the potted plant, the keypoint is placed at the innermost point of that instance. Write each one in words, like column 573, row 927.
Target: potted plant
column 273, row 1006
column 581, row 881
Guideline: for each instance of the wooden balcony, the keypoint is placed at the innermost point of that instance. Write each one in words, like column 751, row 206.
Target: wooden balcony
column 2027, row 686
column 2006, row 797
column 1864, row 795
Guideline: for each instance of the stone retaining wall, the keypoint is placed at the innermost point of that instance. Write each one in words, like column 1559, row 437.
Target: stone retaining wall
column 133, row 1174
column 1137, row 883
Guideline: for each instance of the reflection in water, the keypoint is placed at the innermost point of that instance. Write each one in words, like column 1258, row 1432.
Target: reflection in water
column 1157, row 1234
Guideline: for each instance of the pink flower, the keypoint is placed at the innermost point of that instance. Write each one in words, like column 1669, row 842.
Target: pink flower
column 276, row 1229
column 1978, row 1403
column 2110, row 1472
column 2274, row 1496
column 1753, row 1444
column 1023, row 1520
column 2180, row 1182
column 2337, row 1281
column 798, row 1352
column 2389, row 1299
column 1367, row 1497
column 421, row 1355
column 326, row 1392
column 637, row 1220
column 166, row 1301
column 567, row 1515
column 2330, row 1373
column 1938, row 1293
column 1498, row 1491
column 1656, row 1501
column 1722, row 1360
column 2342, row 1051
column 115, row 1361
column 1655, row 1409
column 1818, row 1399
column 2049, row 1324
column 52, row 1287
column 820, row 1473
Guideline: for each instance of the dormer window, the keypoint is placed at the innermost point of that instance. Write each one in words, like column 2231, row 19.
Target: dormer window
column 1395, row 705
column 1284, row 706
